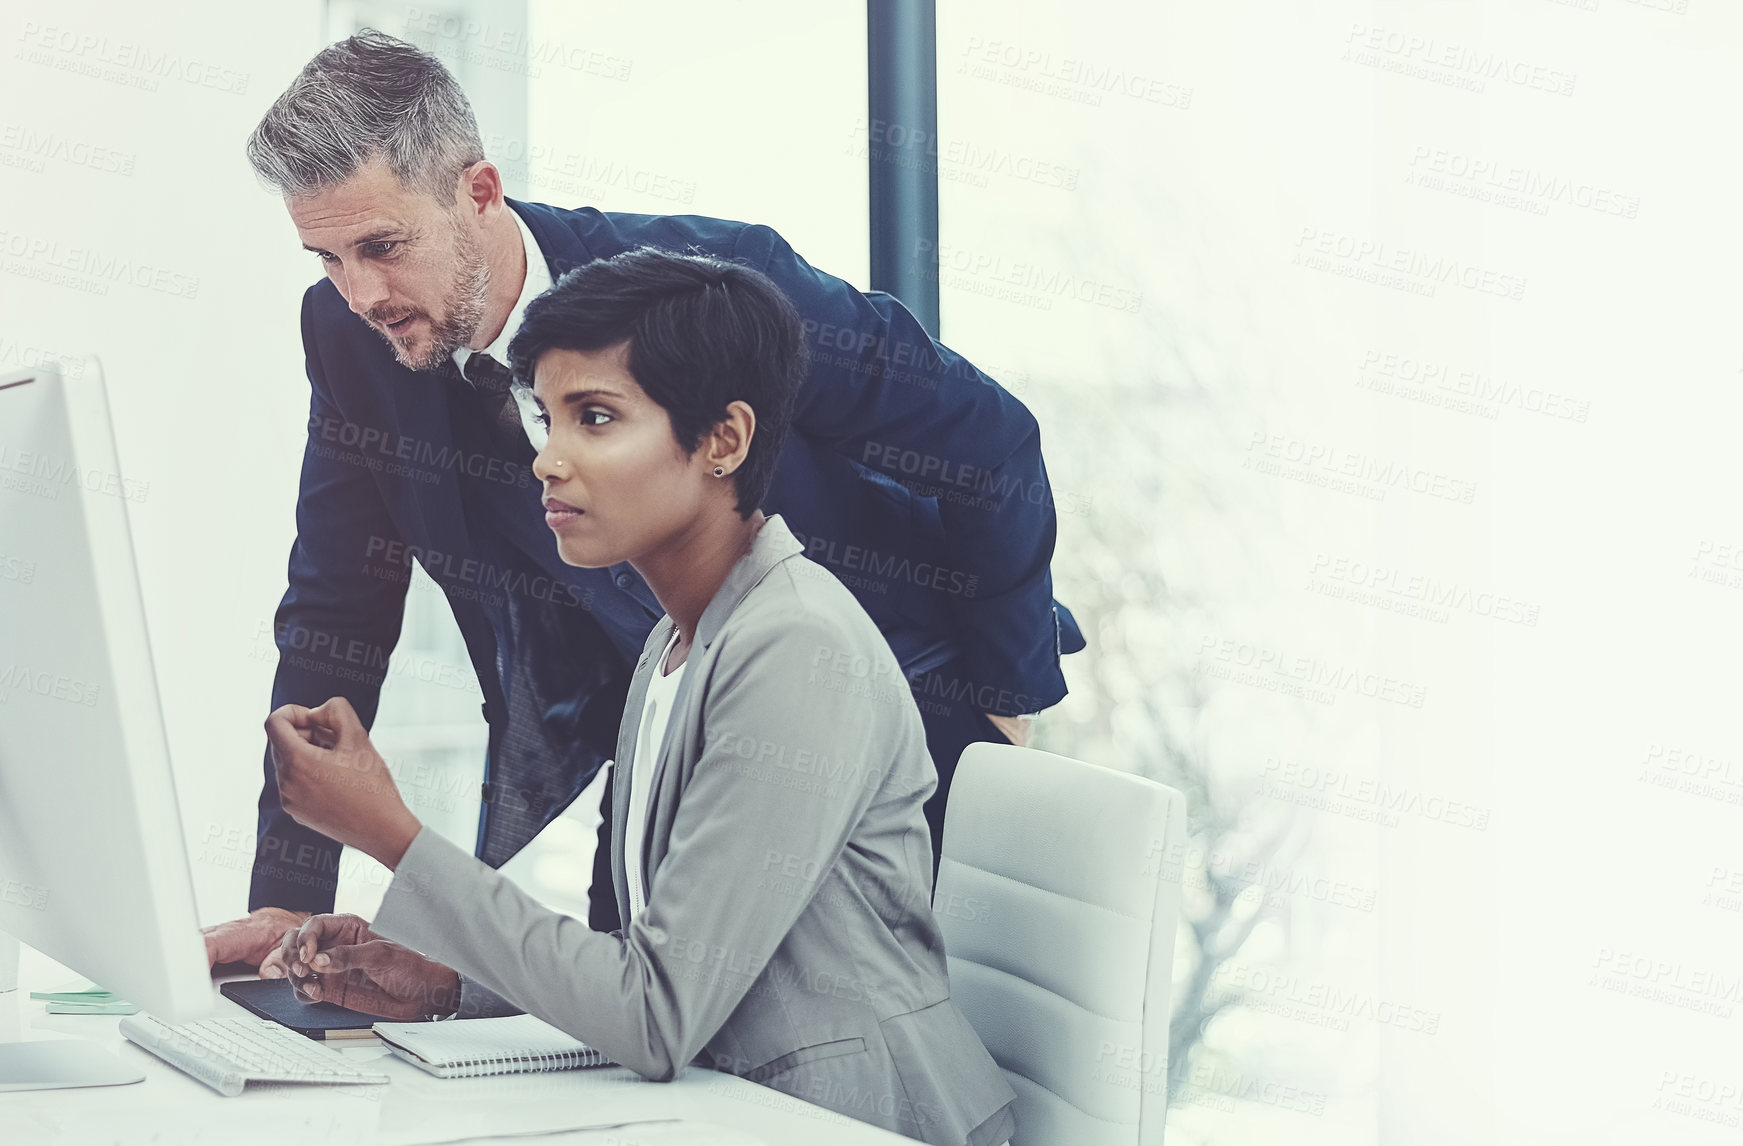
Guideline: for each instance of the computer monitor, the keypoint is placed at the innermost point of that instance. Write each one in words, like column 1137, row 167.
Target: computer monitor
column 93, row 865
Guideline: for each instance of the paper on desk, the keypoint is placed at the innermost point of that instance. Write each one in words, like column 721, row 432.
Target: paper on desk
column 433, row 1133
column 94, row 1001
column 498, row 1136
column 686, row 1132
column 420, row 1110
column 659, row 1132
column 122, row 1007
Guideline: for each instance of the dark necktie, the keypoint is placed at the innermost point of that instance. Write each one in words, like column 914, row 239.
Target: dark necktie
column 491, row 380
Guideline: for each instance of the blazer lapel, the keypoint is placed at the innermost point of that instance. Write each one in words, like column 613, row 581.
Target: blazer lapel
column 773, row 544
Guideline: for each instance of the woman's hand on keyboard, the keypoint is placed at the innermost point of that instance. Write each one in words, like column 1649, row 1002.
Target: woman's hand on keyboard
column 337, row 959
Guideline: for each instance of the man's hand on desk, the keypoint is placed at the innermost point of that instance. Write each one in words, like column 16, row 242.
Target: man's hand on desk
column 1014, row 728
column 337, row 959
column 252, row 938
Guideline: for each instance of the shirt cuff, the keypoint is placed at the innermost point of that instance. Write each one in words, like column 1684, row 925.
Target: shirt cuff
column 479, row 1002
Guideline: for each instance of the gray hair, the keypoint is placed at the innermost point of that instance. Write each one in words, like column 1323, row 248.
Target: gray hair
column 366, row 98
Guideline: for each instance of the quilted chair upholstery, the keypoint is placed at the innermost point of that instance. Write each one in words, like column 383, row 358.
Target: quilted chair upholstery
column 1059, row 895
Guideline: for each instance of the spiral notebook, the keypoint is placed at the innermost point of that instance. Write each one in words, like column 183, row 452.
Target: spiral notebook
column 467, row 1048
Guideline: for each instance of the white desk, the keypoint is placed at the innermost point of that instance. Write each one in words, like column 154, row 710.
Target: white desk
column 710, row 1109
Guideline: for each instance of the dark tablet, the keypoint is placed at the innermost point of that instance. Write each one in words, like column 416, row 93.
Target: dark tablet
column 273, row 999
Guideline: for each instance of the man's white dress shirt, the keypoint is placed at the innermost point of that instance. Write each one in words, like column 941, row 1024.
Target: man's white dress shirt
column 538, row 280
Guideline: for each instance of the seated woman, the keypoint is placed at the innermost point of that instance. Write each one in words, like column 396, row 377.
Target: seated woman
column 775, row 865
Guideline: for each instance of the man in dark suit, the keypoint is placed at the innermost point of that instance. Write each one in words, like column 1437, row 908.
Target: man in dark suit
column 907, row 472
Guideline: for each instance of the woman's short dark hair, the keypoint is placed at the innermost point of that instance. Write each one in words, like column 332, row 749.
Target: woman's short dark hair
column 702, row 333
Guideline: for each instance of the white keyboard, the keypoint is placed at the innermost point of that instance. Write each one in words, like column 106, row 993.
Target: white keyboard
column 226, row 1054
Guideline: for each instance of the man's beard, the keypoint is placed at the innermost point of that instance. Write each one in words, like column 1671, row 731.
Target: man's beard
column 463, row 309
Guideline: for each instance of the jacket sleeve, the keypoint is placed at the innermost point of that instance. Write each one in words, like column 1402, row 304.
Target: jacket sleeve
column 887, row 395
column 335, row 628
column 745, row 859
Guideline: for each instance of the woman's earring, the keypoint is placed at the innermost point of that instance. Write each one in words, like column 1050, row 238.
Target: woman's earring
column 719, row 471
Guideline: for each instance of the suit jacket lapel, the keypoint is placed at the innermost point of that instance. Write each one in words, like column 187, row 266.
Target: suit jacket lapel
column 774, row 543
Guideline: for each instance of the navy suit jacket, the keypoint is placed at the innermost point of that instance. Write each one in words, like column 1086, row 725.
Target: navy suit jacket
column 908, row 473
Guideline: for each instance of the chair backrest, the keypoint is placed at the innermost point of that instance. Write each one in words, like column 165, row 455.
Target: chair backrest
column 1059, row 896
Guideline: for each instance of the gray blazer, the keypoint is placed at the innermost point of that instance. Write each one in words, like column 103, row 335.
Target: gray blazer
column 788, row 936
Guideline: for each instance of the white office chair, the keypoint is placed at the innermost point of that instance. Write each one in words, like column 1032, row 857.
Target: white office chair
column 1059, row 894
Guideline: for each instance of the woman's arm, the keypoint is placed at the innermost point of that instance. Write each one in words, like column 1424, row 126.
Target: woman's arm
column 746, row 856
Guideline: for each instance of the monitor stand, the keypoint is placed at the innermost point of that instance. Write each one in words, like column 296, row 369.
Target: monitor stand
column 48, row 1064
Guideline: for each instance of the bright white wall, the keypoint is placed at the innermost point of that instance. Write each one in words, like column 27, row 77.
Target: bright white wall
column 740, row 112
column 1554, row 961
column 205, row 375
